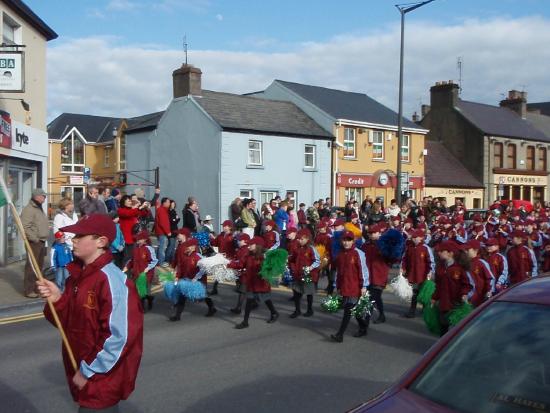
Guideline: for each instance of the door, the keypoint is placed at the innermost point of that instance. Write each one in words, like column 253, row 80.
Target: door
column 20, row 184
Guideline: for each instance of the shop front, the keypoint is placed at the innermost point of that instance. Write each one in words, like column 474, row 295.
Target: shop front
column 378, row 185
column 470, row 197
column 23, row 165
column 532, row 187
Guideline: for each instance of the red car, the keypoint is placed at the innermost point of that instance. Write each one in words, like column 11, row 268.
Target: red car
column 496, row 360
column 516, row 203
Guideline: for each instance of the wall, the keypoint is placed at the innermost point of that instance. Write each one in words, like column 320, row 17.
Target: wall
column 283, row 168
column 451, row 193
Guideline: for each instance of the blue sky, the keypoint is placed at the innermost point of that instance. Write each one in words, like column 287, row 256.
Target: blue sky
column 115, row 57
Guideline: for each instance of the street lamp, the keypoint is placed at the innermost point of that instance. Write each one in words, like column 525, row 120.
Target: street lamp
column 403, row 9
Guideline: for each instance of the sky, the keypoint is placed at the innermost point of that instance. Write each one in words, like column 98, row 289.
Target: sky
column 116, row 57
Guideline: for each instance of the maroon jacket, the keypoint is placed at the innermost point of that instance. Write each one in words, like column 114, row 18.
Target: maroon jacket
column 101, row 314
column 417, row 263
column 187, row 267
column 519, row 263
column 451, row 283
column 352, row 273
column 378, row 266
column 498, row 264
column 481, row 272
column 162, row 221
column 302, row 218
column 251, row 275
column 142, row 258
column 270, row 239
column 304, row 257
column 225, row 245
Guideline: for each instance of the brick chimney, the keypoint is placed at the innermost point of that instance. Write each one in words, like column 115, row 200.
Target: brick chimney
column 444, row 95
column 424, row 110
column 516, row 101
column 187, row 81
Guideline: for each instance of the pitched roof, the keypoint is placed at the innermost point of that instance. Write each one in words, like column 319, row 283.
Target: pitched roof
column 541, row 122
column 498, row 121
column 144, row 122
column 245, row 113
column 32, row 18
column 544, row 107
column 347, row 105
column 95, row 129
column 442, row 169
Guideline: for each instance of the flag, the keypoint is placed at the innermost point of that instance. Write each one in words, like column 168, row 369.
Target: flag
column 4, row 196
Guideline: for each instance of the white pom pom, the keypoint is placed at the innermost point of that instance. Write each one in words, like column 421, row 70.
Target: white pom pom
column 208, row 263
column 401, row 288
column 223, row 274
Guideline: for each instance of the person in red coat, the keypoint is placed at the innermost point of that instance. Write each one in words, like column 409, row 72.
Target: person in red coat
column 521, row 260
column 302, row 217
column 163, row 229
column 101, row 314
column 324, row 239
column 186, row 267
column 480, row 270
column 183, row 235
column 143, row 260
column 304, row 267
column 256, row 287
column 226, row 246
column 270, row 236
column 498, row 264
column 418, row 265
column 502, row 232
column 379, row 269
column 291, row 242
column 546, row 256
column 452, row 285
column 352, row 280
column 129, row 214
column 238, row 263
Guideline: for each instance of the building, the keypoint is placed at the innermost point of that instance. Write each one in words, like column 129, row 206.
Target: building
column 448, row 179
column 497, row 144
column 84, row 142
column 219, row 146
column 365, row 147
column 23, row 137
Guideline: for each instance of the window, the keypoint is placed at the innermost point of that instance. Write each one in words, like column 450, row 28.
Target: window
column 354, row 193
column 405, row 148
column 76, row 193
column 107, row 156
column 72, row 154
column 497, row 155
column 255, row 153
column 245, row 193
column 309, row 161
column 349, row 143
column 511, row 164
column 377, row 144
column 531, row 158
column 542, row 159
column 122, row 148
column 477, row 203
column 11, row 31
column 267, row 196
column 293, row 196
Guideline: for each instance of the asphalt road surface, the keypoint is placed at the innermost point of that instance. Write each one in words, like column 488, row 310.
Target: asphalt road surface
column 205, row 365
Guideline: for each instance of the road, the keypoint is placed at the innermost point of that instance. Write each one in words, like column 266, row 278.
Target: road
column 204, row 365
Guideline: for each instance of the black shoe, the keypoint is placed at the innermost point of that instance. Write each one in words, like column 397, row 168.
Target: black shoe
column 242, row 325
column 213, row 292
column 211, row 312
column 150, row 299
column 360, row 333
column 274, row 317
column 410, row 314
column 174, row 318
column 337, row 337
column 295, row 314
column 235, row 310
column 381, row 319
column 308, row 313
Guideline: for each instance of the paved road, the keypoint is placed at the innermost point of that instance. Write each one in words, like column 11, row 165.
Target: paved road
column 205, row 365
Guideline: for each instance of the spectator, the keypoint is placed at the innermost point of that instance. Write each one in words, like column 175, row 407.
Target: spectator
column 292, row 217
column 129, row 214
column 235, row 209
column 302, row 218
column 113, row 201
column 312, row 215
column 61, row 256
column 163, row 229
column 281, row 220
column 393, row 209
column 376, row 214
column 91, row 203
column 64, row 217
column 174, row 222
column 37, row 230
column 248, row 218
column 191, row 217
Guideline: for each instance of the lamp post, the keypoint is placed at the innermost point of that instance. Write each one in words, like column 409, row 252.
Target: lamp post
column 403, row 9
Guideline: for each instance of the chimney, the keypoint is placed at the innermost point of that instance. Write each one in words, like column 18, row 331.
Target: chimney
column 444, row 94
column 415, row 117
column 187, row 81
column 516, row 101
column 424, row 110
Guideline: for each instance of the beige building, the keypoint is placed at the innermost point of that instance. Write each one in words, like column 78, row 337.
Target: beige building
column 23, row 136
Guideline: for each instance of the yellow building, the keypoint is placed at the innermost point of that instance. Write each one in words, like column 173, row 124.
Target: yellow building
column 84, row 149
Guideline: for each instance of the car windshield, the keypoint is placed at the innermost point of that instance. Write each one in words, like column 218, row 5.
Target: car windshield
column 500, row 363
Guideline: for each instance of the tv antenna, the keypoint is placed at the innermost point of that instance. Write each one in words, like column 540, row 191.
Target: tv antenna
column 459, row 67
column 185, row 47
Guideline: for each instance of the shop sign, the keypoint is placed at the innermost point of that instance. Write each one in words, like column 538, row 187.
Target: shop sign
column 5, row 129
column 352, row 181
column 12, row 74
column 521, row 180
column 30, row 140
column 76, row 180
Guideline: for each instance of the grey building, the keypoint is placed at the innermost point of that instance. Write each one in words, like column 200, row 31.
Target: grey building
column 498, row 144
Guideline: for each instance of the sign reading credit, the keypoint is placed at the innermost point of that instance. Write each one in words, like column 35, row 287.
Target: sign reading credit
column 12, row 73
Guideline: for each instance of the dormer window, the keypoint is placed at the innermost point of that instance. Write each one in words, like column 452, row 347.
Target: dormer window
column 72, row 154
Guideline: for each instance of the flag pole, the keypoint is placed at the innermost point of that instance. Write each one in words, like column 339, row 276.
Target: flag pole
column 37, row 270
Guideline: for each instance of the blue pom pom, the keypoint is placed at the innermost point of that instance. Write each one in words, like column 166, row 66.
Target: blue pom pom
column 171, row 292
column 193, row 291
column 391, row 244
column 203, row 238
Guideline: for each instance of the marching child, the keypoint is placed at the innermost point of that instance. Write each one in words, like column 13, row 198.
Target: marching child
column 480, row 270
column 226, row 246
column 352, row 280
column 304, row 266
column 521, row 260
column 270, row 236
column 238, row 263
column 143, row 260
column 256, row 287
column 183, row 235
column 335, row 248
column 498, row 264
column 61, row 257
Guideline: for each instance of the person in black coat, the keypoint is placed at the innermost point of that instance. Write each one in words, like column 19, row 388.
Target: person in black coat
column 174, row 221
column 191, row 217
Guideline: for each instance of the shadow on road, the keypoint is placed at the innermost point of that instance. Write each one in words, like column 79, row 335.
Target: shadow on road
column 14, row 401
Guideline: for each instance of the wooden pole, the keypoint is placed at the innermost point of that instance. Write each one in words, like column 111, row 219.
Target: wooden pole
column 38, row 272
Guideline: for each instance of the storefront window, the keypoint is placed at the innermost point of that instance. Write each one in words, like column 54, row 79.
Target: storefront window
column 354, row 193
column 72, row 154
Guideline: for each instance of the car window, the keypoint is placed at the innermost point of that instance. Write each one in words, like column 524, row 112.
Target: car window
column 500, row 363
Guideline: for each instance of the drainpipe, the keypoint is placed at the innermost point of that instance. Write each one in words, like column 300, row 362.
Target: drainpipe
column 335, row 154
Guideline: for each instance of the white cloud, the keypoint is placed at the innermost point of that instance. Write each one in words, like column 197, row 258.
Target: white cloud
column 219, row 17
column 122, row 5
column 97, row 76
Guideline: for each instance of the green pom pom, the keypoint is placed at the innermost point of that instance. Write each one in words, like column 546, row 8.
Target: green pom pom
column 165, row 276
column 141, row 285
column 331, row 304
column 426, row 291
column 457, row 314
column 363, row 307
column 430, row 314
column 274, row 265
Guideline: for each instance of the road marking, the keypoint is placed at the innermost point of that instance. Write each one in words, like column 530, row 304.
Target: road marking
column 19, row 319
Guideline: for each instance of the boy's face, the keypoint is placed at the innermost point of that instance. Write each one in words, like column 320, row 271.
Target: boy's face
column 227, row 230
column 190, row 250
column 492, row 248
column 252, row 247
column 417, row 240
column 303, row 241
column 242, row 243
column 291, row 235
column 268, row 227
column 347, row 243
column 517, row 241
column 115, row 220
column 374, row 236
column 471, row 252
column 322, row 230
column 86, row 246
column 141, row 242
column 181, row 238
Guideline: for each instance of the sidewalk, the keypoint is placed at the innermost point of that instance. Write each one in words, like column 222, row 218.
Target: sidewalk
column 11, row 291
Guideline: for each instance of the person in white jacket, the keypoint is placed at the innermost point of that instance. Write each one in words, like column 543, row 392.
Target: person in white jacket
column 64, row 217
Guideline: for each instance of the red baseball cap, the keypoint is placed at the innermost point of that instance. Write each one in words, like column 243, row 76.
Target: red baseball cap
column 227, row 223
column 348, row 235
column 143, row 234
column 375, row 228
column 304, row 232
column 257, row 241
column 291, row 230
column 491, row 242
column 270, row 222
column 184, row 231
column 517, row 234
column 339, row 222
column 418, row 233
column 473, row 244
column 94, row 224
column 244, row 237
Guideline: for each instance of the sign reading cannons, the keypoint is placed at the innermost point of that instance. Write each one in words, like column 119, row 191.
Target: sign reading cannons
column 12, row 72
